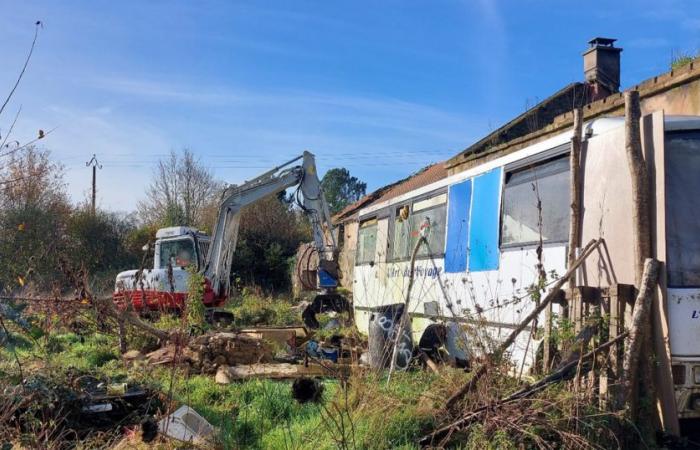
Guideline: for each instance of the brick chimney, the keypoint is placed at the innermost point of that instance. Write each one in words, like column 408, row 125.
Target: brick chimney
column 601, row 66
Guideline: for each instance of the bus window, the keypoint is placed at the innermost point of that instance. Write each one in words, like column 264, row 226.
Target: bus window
column 426, row 218
column 366, row 242
column 523, row 222
column 682, row 206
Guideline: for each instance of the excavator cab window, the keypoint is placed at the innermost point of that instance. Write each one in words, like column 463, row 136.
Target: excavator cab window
column 178, row 253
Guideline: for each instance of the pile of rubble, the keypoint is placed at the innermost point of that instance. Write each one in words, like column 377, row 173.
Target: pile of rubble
column 285, row 352
column 209, row 352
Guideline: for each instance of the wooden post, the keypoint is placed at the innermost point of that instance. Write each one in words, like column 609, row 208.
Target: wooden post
column 95, row 165
column 574, row 230
column 641, row 211
column 641, row 229
column 575, row 190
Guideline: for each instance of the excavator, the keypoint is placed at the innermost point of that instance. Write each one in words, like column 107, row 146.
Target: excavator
column 179, row 249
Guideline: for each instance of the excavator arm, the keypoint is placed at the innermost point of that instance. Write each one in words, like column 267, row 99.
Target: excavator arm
column 309, row 196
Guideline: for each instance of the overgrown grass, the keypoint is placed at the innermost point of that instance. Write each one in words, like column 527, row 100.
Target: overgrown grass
column 680, row 59
column 364, row 412
column 261, row 414
column 251, row 310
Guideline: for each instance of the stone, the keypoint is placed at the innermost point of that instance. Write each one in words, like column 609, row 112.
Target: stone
column 222, row 375
column 133, row 355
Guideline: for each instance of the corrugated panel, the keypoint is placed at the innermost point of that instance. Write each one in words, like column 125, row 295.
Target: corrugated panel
column 458, row 227
column 483, row 233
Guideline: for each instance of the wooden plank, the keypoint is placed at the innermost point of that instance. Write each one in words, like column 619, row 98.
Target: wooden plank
column 653, row 134
column 283, row 371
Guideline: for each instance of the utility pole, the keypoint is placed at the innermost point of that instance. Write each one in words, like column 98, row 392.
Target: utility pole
column 95, row 165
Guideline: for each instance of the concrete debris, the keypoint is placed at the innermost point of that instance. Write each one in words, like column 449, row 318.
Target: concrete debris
column 185, row 424
column 211, row 351
column 205, row 354
column 133, row 355
column 277, row 371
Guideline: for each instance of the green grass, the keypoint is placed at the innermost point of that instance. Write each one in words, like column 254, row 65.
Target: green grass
column 251, row 310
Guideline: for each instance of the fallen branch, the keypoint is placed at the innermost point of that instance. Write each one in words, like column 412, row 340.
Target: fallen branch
column 587, row 250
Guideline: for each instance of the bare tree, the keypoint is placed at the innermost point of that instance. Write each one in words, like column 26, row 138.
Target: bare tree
column 181, row 192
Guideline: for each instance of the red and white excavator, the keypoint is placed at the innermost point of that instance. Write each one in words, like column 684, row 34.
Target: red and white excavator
column 164, row 287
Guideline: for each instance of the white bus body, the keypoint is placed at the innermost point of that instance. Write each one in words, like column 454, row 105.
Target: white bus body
column 484, row 234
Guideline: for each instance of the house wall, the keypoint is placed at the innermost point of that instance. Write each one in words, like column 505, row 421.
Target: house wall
column 346, row 257
column 607, row 210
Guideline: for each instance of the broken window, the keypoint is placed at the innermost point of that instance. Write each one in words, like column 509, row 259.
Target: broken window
column 682, row 206
column 366, row 242
column 402, row 232
column 536, row 201
column 426, row 218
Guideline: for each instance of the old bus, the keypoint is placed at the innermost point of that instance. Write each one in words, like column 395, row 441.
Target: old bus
column 484, row 228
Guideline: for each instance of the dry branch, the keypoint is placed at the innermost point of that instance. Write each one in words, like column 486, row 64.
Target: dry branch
column 563, row 372
column 404, row 316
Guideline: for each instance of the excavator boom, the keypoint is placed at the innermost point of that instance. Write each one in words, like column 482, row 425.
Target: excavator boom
column 310, row 198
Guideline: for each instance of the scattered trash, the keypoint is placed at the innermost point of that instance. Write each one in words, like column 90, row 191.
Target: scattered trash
column 314, row 350
column 185, row 424
column 305, row 390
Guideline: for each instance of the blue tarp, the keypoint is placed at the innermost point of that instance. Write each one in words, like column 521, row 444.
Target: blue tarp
column 458, row 227
column 483, row 233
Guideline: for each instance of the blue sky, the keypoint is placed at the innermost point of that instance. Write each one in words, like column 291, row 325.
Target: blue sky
column 380, row 87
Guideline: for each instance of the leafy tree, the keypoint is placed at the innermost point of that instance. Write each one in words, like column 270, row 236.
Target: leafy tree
column 33, row 214
column 341, row 189
column 98, row 241
column 181, row 192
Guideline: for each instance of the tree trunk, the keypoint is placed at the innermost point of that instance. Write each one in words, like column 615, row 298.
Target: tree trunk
column 641, row 212
column 641, row 228
column 638, row 332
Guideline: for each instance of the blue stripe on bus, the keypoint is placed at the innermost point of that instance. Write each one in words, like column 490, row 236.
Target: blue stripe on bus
column 458, row 227
column 483, row 233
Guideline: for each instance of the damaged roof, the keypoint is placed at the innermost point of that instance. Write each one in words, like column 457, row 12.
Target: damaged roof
column 423, row 177
column 572, row 96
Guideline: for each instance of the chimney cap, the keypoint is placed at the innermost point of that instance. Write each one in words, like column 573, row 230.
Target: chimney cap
column 602, row 42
